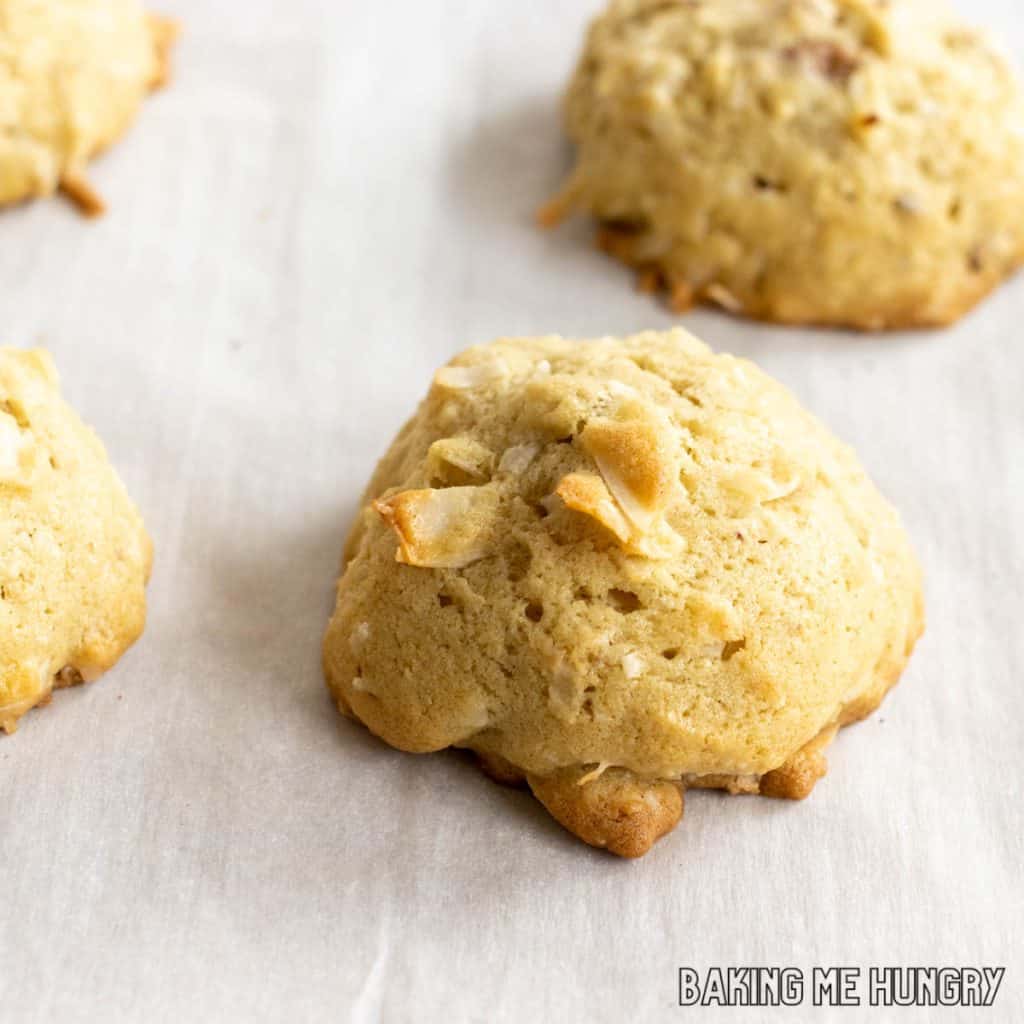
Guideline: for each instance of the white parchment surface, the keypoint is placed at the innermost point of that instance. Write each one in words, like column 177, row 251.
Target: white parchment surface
column 330, row 200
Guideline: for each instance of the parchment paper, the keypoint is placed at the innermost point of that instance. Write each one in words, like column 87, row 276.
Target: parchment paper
column 329, row 200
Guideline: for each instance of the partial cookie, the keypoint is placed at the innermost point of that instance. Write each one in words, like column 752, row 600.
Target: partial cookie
column 74, row 556
column 617, row 569
column 840, row 162
column 73, row 75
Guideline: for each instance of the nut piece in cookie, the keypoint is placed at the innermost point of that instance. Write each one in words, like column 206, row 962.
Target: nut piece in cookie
column 75, row 76
column 74, row 556
column 616, row 569
column 840, row 162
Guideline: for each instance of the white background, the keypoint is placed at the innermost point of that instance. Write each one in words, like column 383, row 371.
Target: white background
column 330, row 200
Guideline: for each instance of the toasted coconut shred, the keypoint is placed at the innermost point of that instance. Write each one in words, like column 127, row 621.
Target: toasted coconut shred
column 596, row 773
column 587, row 493
column 441, row 529
column 629, row 458
column 461, row 378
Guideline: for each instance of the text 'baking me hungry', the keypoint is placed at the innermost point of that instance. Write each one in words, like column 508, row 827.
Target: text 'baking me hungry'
column 840, row 986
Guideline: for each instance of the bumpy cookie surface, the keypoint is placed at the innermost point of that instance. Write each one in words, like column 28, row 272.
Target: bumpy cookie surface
column 72, row 75
column 616, row 569
column 841, row 162
column 74, row 557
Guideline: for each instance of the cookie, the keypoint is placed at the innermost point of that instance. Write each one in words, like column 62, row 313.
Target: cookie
column 74, row 556
column 73, row 75
column 616, row 569
column 852, row 163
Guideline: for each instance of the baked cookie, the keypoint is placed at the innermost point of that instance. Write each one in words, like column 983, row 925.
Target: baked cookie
column 616, row 569
column 73, row 74
column 74, row 557
column 839, row 162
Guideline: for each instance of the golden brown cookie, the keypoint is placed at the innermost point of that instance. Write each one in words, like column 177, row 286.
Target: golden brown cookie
column 840, row 162
column 616, row 569
column 74, row 556
column 73, row 74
